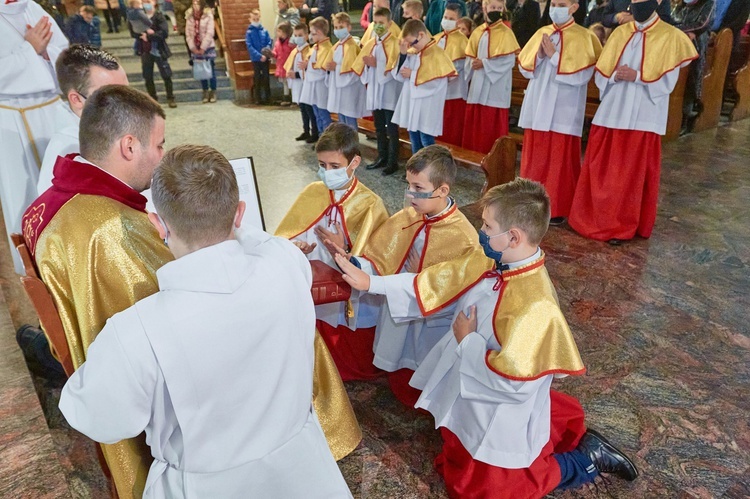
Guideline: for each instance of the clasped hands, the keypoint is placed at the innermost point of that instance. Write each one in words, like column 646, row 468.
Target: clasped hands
column 39, row 35
column 625, row 73
column 547, row 47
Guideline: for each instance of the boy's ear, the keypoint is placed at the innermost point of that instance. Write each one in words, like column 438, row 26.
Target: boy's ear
column 444, row 189
column 355, row 162
column 574, row 8
column 157, row 224
column 516, row 237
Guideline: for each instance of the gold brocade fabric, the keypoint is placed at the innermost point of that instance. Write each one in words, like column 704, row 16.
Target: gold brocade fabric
column 390, row 45
column 664, row 49
column 325, row 53
column 531, row 329
column 98, row 257
column 434, row 64
column 455, row 45
column 331, row 403
column 579, row 48
column 448, row 236
column 501, row 40
column 290, row 60
column 351, row 50
column 393, row 29
column 363, row 212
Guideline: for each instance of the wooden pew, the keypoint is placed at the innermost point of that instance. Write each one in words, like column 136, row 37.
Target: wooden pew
column 739, row 82
column 240, row 69
column 717, row 62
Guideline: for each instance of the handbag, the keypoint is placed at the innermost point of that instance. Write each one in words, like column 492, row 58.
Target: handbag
column 202, row 69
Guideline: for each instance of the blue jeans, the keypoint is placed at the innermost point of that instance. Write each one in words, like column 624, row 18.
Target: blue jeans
column 348, row 120
column 212, row 81
column 575, row 469
column 322, row 118
column 420, row 140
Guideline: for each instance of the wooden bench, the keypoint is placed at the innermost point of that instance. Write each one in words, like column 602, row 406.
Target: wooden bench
column 714, row 76
column 738, row 81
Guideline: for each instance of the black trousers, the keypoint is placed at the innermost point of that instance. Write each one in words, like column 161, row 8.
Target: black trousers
column 112, row 16
column 387, row 134
column 147, row 65
column 261, row 83
column 309, row 125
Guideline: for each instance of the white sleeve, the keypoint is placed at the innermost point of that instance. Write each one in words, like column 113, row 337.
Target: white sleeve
column 108, row 399
column 480, row 383
column 347, row 79
column 400, row 294
column 577, row 79
column 603, row 83
column 663, row 86
column 23, row 71
column 530, row 75
column 367, row 75
column 496, row 67
column 428, row 89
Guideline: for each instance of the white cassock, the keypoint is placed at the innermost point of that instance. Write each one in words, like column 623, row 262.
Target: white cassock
column 62, row 143
column 420, row 108
column 490, row 86
column 30, row 108
column 314, row 89
column 499, row 421
column 346, row 94
column 554, row 102
column 638, row 105
column 217, row 369
column 382, row 90
column 458, row 86
column 295, row 84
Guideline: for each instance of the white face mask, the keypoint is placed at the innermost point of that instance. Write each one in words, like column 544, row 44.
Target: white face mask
column 559, row 15
column 256, row 25
column 341, row 33
column 448, row 24
column 334, row 179
column 297, row 40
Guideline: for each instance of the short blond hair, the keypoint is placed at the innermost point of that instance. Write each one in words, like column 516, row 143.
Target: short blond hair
column 195, row 191
column 523, row 204
column 342, row 17
column 321, row 24
column 415, row 6
column 254, row 11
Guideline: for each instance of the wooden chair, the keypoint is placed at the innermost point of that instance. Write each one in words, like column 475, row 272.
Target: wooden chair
column 739, row 81
column 713, row 81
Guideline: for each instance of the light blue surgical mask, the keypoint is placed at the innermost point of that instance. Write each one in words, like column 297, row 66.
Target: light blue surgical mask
column 341, row 33
column 559, row 15
column 299, row 41
column 334, row 179
column 255, row 25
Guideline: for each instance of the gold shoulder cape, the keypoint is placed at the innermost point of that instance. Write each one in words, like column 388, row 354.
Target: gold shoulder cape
column 664, row 49
column 501, row 40
column 393, row 29
column 324, row 53
column 390, row 45
column 290, row 60
column 362, row 212
column 351, row 50
column 434, row 64
column 455, row 44
column 94, row 268
column 579, row 48
column 533, row 334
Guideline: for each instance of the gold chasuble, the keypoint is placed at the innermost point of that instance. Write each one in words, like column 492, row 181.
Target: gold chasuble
column 434, row 63
column 664, row 49
column 579, row 48
column 98, row 254
column 390, row 46
column 351, row 50
column 324, row 55
column 290, row 60
column 393, row 29
column 501, row 40
column 455, row 44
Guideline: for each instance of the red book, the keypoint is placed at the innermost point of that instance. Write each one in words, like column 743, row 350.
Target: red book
column 328, row 285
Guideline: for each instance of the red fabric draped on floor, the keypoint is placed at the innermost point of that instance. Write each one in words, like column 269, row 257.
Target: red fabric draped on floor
column 399, row 383
column 483, row 125
column 618, row 189
column 453, row 121
column 554, row 159
column 466, row 478
column 351, row 350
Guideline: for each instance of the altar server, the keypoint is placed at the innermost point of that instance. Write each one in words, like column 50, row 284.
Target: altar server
column 346, row 93
column 295, row 72
column 454, row 43
column 393, row 28
column 314, row 86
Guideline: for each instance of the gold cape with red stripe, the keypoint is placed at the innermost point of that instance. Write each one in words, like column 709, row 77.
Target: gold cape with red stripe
column 664, row 49
column 393, row 29
column 434, row 64
column 390, row 46
column 362, row 212
column 324, row 50
column 501, row 40
column 579, row 48
column 533, row 334
column 455, row 44
column 290, row 60
column 351, row 51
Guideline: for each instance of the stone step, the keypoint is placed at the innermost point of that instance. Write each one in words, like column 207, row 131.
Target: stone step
column 180, row 83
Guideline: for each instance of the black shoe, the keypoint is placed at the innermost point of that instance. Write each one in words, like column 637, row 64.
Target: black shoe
column 615, row 242
column 303, row 136
column 555, row 221
column 606, row 457
column 390, row 170
column 378, row 163
column 36, row 352
column 312, row 139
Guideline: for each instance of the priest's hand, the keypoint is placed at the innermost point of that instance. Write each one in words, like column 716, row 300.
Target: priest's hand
column 547, row 46
column 39, row 35
column 476, row 64
column 332, row 240
column 370, row 61
column 405, row 72
column 464, row 325
column 304, row 247
column 625, row 73
column 356, row 278
column 331, row 66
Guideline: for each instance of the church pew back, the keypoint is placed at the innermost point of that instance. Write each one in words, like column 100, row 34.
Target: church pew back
column 717, row 62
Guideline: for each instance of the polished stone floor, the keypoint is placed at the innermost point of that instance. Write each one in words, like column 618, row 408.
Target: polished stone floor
column 662, row 324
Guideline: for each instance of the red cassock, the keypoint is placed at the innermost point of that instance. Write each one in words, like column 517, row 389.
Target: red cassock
column 554, row 160
column 467, row 478
column 351, row 350
column 618, row 189
column 399, row 383
column 453, row 121
column 483, row 125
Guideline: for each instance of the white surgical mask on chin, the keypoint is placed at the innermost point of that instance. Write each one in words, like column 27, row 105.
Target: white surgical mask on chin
column 334, row 179
column 448, row 24
column 559, row 15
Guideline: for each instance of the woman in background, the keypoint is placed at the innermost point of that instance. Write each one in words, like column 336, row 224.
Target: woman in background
column 199, row 35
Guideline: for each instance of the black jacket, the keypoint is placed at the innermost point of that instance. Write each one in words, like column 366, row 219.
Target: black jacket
column 525, row 20
column 614, row 7
column 158, row 39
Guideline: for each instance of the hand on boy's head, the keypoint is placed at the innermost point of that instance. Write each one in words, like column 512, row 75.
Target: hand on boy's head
column 304, row 247
column 464, row 325
column 336, row 239
column 356, row 278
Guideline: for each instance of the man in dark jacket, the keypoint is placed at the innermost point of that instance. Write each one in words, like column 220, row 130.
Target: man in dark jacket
column 152, row 46
column 617, row 12
column 524, row 19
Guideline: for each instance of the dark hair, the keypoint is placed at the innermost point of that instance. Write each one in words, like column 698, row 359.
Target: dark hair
column 303, row 27
column 112, row 112
column 382, row 11
column 341, row 138
column 88, row 9
column 74, row 64
column 440, row 161
column 454, row 7
column 286, row 28
column 523, row 204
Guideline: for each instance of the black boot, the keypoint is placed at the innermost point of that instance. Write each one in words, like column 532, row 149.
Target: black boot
column 606, row 457
column 393, row 147
column 382, row 160
column 303, row 136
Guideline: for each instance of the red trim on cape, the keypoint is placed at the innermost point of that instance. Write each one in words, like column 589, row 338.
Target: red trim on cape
column 333, row 203
column 429, row 44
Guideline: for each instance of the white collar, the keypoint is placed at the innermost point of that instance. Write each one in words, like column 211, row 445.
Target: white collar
column 649, row 22
column 450, row 203
column 520, row 263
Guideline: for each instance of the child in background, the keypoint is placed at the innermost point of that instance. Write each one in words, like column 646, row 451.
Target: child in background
column 466, row 26
column 346, row 94
column 364, row 20
column 413, row 9
column 257, row 41
column 294, row 74
column 314, row 88
column 454, row 43
column 282, row 48
column 393, row 27
column 84, row 27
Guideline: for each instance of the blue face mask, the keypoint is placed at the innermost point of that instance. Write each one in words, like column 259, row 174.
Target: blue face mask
column 334, row 179
column 484, row 242
column 341, row 33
